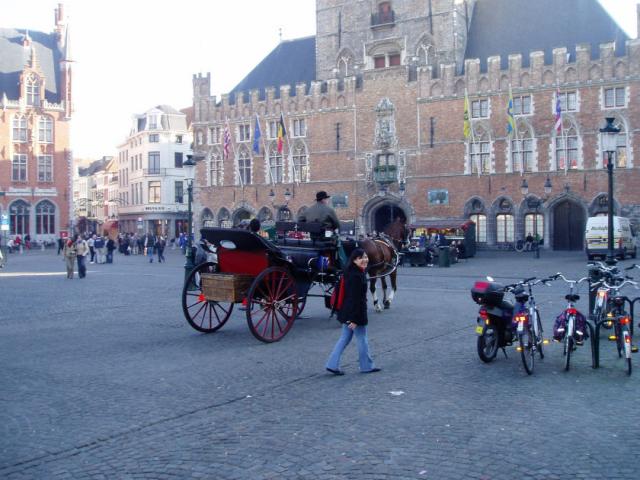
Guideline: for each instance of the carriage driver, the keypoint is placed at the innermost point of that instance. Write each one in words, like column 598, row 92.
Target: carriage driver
column 323, row 213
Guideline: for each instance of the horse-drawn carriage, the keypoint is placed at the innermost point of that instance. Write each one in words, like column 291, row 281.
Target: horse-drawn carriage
column 271, row 280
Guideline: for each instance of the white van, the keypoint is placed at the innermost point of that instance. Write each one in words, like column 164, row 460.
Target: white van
column 596, row 237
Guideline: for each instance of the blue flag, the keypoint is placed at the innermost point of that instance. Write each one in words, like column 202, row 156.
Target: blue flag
column 256, row 136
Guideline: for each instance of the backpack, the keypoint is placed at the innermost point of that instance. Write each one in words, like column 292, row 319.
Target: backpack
column 337, row 296
column 560, row 326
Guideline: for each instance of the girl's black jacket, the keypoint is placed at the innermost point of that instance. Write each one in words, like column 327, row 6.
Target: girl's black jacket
column 354, row 303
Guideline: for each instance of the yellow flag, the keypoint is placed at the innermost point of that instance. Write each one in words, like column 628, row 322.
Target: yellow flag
column 467, row 121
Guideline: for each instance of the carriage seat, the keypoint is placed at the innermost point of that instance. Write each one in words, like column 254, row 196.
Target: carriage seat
column 316, row 230
column 304, row 258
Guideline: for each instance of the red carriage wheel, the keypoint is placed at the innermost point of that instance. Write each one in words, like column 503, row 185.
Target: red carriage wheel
column 204, row 315
column 272, row 303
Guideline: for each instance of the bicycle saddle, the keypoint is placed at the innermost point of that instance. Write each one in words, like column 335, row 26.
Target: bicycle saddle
column 572, row 298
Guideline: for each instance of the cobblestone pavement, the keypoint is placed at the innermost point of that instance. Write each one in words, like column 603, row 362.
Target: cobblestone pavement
column 103, row 378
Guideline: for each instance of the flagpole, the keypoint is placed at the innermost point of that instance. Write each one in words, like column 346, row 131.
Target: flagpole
column 235, row 157
column 515, row 129
column 266, row 156
column 473, row 139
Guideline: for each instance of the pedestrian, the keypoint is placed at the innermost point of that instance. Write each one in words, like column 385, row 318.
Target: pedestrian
column 160, row 245
column 98, row 245
column 92, row 249
column 69, row 253
column 149, row 243
column 353, row 315
column 111, row 246
column 61, row 243
column 82, row 250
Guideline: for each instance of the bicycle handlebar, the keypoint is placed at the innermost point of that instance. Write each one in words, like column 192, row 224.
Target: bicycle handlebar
column 618, row 287
column 603, row 267
column 574, row 282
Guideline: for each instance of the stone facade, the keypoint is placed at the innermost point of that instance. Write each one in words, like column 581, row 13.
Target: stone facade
column 390, row 137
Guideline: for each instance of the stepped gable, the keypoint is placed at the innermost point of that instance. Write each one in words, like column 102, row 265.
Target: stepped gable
column 291, row 62
column 14, row 57
column 504, row 27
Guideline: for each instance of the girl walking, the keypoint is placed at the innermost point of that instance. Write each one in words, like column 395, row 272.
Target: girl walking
column 353, row 315
column 69, row 252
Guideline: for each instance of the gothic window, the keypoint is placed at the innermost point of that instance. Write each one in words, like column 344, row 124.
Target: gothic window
column 504, row 228
column 45, row 130
column 566, row 151
column 19, row 218
column 522, row 105
column 481, row 227
column 45, row 168
column 19, row 128
column 301, row 172
column 45, row 218
column 276, row 166
column 214, row 135
column 33, row 90
column 522, row 150
column 480, row 108
column 534, row 224
column 568, row 101
column 19, row 168
column 480, row 153
column 244, row 167
column 216, row 171
column 425, row 54
column 224, row 218
column 299, row 127
column 265, row 215
column 207, row 218
column 244, row 132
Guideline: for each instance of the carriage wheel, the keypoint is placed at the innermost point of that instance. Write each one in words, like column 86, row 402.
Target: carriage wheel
column 302, row 302
column 204, row 315
column 272, row 303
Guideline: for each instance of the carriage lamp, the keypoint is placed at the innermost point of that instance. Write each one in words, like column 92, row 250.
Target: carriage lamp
column 609, row 144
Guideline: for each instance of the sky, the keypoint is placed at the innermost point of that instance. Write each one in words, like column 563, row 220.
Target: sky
column 131, row 55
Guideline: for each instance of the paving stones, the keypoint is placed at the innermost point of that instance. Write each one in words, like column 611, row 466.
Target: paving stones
column 103, row 378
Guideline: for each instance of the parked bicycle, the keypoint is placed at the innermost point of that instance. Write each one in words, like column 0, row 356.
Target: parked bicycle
column 611, row 275
column 570, row 326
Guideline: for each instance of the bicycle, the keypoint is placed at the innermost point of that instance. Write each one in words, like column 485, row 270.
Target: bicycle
column 528, row 325
column 620, row 319
column 570, row 324
column 601, row 306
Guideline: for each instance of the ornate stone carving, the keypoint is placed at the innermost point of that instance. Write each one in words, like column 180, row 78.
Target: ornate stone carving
column 385, row 134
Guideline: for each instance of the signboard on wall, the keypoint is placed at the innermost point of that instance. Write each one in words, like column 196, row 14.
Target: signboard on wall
column 438, row 197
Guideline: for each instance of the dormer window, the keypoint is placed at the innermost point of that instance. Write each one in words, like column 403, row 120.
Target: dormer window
column 33, row 90
column 389, row 60
column 384, row 16
column 153, row 122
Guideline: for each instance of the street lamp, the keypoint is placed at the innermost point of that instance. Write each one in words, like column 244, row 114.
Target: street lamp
column 609, row 144
column 189, row 169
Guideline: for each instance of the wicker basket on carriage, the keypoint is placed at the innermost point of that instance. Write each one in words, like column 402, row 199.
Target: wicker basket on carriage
column 221, row 287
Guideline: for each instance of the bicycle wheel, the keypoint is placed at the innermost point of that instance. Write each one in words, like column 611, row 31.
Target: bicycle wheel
column 619, row 339
column 626, row 343
column 569, row 342
column 518, row 246
column 539, row 337
column 526, row 342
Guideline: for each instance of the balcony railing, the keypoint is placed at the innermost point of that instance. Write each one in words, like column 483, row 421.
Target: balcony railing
column 380, row 18
column 385, row 174
column 154, row 171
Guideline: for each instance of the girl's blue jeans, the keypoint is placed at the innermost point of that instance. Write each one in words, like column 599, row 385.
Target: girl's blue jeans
column 362, row 341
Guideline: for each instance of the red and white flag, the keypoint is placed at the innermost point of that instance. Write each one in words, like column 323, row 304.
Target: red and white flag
column 558, row 113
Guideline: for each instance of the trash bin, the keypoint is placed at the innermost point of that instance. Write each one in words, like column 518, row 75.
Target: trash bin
column 444, row 257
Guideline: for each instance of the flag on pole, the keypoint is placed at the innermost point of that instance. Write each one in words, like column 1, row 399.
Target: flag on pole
column 282, row 132
column 511, row 121
column 467, row 120
column 558, row 113
column 226, row 145
column 256, row 136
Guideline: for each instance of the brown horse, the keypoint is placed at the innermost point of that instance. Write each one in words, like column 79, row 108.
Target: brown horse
column 383, row 263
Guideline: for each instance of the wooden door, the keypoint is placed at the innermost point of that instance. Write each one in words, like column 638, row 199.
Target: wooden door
column 568, row 226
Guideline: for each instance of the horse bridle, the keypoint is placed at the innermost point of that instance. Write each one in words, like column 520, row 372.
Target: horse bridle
column 389, row 268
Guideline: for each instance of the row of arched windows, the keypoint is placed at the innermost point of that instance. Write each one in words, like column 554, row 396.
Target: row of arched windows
column 280, row 167
column 523, row 153
column 19, row 129
column 20, row 218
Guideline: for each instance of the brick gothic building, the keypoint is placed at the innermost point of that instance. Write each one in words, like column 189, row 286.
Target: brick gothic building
column 35, row 112
column 374, row 107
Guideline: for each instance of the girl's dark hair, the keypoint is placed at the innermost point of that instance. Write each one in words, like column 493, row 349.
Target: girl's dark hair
column 357, row 253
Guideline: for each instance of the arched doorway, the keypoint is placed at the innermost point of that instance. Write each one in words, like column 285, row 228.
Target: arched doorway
column 568, row 226
column 385, row 214
column 239, row 215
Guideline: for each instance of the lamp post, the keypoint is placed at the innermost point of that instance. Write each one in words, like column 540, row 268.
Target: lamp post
column 536, row 203
column 609, row 144
column 189, row 169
